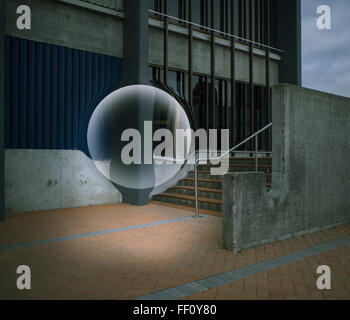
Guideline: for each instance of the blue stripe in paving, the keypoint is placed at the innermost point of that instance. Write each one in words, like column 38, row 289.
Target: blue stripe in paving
column 92, row 234
column 218, row 280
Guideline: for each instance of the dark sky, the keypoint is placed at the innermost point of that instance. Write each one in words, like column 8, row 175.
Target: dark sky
column 326, row 53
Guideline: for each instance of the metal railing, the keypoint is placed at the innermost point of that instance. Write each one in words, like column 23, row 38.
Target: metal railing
column 197, row 160
column 233, row 149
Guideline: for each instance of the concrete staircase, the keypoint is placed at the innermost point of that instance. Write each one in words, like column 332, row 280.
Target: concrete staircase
column 209, row 187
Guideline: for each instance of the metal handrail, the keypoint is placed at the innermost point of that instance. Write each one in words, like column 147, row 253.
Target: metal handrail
column 197, row 160
column 255, row 135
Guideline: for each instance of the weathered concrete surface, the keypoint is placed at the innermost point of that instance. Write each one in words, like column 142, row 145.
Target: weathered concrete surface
column 71, row 26
column 51, row 179
column 311, row 173
column 111, row 4
column 178, row 56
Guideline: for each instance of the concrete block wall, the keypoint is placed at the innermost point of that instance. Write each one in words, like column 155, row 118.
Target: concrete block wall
column 310, row 173
column 37, row 180
column 69, row 24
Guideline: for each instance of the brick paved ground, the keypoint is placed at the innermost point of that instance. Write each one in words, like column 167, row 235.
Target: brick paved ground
column 134, row 263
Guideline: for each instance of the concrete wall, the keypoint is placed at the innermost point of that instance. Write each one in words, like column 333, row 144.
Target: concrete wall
column 50, row 179
column 111, row 4
column 178, row 55
column 311, row 173
column 72, row 26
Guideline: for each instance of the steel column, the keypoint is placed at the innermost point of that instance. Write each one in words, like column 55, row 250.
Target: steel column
column 190, row 54
column 166, row 42
column 251, row 70
column 212, row 46
column 233, row 83
column 267, row 56
column 2, row 110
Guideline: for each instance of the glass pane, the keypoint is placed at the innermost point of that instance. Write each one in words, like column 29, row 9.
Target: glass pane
column 173, row 8
column 196, row 11
column 217, row 13
column 151, row 4
column 199, row 100
column 176, row 82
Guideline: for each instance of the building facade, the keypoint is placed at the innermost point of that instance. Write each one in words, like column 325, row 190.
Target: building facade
column 219, row 58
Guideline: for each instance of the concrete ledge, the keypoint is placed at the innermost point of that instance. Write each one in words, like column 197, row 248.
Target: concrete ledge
column 72, row 24
column 37, row 180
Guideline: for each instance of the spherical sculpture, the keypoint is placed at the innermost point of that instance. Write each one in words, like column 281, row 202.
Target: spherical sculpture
column 132, row 131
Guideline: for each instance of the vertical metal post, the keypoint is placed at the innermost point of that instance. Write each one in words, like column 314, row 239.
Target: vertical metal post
column 256, row 153
column 165, row 40
column 2, row 110
column 196, row 216
column 233, row 84
column 212, row 46
column 190, row 54
column 268, row 97
column 196, row 187
column 251, row 70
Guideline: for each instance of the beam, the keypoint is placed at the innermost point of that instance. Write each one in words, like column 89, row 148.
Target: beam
column 233, row 83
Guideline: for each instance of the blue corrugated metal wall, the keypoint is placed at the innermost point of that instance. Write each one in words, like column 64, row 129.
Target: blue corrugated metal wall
column 51, row 92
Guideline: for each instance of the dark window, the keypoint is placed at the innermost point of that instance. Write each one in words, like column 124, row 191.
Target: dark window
column 176, row 81
column 182, row 9
column 201, row 12
column 199, row 100
column 221, row 88
column 229, row 113
column 241, row 15
column 173, row 8
column 196, row 11
column 217, row 13
column 156, row 5
column 273, row 23
column 153, row 74
column 222, row 15
column 247, row 18
column 258, row 35
column 151, row 4
column 240, row 125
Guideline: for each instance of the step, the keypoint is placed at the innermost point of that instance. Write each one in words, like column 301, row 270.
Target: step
column 189, row 201
column 238, row 168
column 245, row 165
column 262, row 160
column 191, row 209
column 199, row 189
column 217, row 181
column 203, row 180
column 192, row 198
column 207, row 173
column 202, row 191
column 210, row 183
